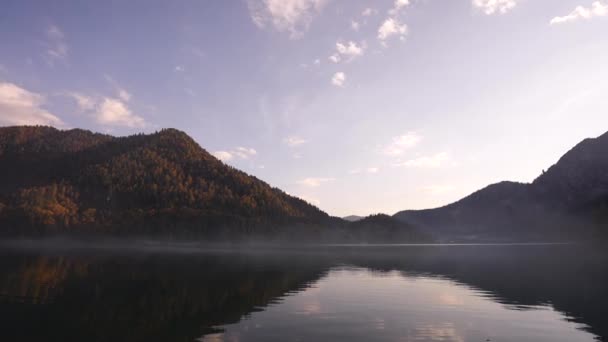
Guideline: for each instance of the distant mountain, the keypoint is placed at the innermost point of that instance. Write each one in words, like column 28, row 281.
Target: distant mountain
column 569, row 200
column 54, row 181
column 352, row 218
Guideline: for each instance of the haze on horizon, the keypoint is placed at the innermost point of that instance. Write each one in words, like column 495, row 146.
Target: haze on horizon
column 356, row 106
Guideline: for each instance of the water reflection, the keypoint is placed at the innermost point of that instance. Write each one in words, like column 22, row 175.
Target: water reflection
column 406, row 294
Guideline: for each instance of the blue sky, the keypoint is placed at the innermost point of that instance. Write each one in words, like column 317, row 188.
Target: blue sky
column 356, row 106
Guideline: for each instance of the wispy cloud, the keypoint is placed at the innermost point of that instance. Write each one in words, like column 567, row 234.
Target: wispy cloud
column 293, row 141
column 313, row 182
column 597, row 9
column 84, row 102
column 369, row 12
column 19, row 106
column 57, row 48
column 401, row 143
column 338, row 79
column 223, row 155
column 434, row 161
column 490, row 7
column 293, row 16
column 236, row 153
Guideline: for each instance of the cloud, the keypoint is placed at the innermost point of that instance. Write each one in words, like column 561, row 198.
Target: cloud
column 370, row 170
column 490, row 7
column 19, row 106
column 368, row 12
column 108, row 110
column 398, row 6
column 115, row 112
column 179, row 68
column 354, row 25
column 244, row 152
column 401, row 143
column 313, row 182
column 434, row 161
column 598, row 9
column 338, row 79
column 293, row 16
column 57, row 48
column 84, row 102
column 223, row 155
column 120, row 91
column 238, row 152
column 347, row 51
column 391, row 27
column 293, row 141
column 437, row 189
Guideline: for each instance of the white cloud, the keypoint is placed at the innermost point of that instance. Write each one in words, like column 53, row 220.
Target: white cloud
column 401, row 143
column 368, row 12
column 335, row 58
column 389, row 28
column 84, row 102
column 494, row 6
column 354, row 25
column 238, row 152
column 293, row 141
column 372, row 170
column 293, row 16
column 398, row 6
column 338, row 79
column 434, row 161
column 348, row 50
column 223, row 155
column 57, row 48
column 317, row 62
column 313, row 182
column 115, row 112
column 598, row 9
column 437, row 189
column 19, row 106
column 124, row 95
column 109, row 110
column 244, row 152
column 179, row 68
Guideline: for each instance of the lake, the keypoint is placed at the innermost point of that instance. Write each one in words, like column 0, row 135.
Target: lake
column 326, row 293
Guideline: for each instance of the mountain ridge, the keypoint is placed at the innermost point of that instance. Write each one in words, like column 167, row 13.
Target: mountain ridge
column 571, row 193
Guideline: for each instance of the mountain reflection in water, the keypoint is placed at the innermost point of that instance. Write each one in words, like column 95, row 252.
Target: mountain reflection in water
column 448, row 293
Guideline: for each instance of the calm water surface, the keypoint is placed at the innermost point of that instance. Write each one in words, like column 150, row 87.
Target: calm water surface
column 449, row 293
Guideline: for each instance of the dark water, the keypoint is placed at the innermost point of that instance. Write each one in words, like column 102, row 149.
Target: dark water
column 396, row 293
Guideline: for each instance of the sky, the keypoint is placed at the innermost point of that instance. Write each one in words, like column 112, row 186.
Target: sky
column 356, row 106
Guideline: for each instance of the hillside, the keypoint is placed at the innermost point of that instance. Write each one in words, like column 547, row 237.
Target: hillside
column 568, row 201
column 54, row 181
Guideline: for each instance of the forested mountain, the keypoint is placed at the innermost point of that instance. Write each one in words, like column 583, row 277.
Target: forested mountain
column 76, row 180
column 568, row 201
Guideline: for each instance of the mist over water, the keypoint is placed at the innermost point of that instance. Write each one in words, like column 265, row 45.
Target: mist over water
column 384, row 293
